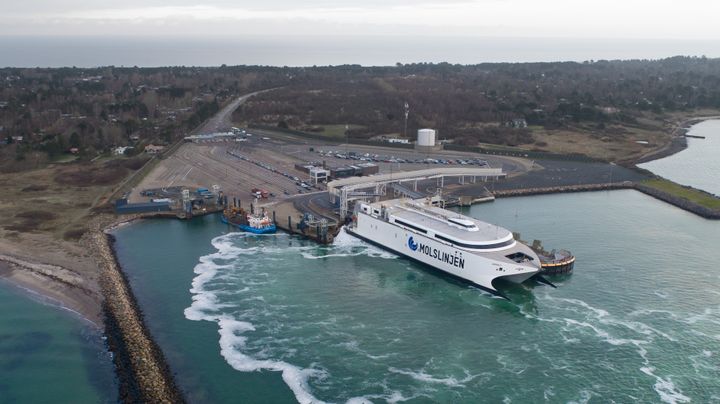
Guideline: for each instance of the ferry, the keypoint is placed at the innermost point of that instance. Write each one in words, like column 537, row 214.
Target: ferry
column 257, row 223
column 462, row 246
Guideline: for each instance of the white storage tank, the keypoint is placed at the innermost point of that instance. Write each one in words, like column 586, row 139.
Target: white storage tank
column 426, row 137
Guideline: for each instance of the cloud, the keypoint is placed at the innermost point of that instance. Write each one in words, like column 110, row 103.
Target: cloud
column 690, row 19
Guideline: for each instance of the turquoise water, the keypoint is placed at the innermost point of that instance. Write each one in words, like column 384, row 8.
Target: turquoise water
column 50, row 356
column 698, row 165
column 278, row 319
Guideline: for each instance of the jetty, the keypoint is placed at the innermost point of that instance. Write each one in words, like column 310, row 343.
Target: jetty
column 141, row 368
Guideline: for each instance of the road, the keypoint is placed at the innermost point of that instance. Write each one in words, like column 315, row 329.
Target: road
column 222, row 121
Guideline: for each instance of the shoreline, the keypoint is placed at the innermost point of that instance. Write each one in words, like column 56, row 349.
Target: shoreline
column 61, row 287
column 45, row 300
column 678, row 140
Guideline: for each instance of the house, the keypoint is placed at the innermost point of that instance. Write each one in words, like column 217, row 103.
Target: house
column 153, row 149
column 119, row 151
column 517, row 123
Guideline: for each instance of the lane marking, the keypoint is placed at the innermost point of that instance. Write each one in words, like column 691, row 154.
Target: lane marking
column 186, row 174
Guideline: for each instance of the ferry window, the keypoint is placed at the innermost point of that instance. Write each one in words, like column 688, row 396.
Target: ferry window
column 465, row 225
column 519, row 257
column 400, row 222
column 476, row 246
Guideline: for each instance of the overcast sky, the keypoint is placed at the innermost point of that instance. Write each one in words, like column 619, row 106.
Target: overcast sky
column 657, row 19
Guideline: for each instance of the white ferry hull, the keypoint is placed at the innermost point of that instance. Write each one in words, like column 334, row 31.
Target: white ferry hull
column 472, row 267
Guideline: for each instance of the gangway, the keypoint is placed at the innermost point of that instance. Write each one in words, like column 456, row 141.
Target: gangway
column 346, row 190
column 405, row 191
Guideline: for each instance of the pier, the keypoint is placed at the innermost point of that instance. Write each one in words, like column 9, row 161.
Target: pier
column 142, row 371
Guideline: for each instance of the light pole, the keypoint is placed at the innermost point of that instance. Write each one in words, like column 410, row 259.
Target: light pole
column 407, row 112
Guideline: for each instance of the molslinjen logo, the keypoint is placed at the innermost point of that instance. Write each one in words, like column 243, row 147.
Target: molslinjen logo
column 412, row 244
column 455, row 260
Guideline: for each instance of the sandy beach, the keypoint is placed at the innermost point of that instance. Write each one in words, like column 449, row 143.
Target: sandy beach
column 62, row 271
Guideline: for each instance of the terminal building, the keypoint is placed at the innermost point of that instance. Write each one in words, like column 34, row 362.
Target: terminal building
column 319, row 173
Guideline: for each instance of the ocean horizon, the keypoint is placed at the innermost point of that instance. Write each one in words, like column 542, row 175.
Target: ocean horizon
column 87, row 51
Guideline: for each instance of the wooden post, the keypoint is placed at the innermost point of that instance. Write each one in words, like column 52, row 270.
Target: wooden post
column 290, row 224
column 274, row 221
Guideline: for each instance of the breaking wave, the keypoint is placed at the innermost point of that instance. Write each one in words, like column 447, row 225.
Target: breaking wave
column 205, row 306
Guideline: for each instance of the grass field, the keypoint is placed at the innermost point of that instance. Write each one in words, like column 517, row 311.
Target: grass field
column 693, row 195
column 337, row 131
column 620, row 144
column 57, row 199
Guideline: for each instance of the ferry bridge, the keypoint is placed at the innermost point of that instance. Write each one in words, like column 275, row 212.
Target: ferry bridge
column 349, row 189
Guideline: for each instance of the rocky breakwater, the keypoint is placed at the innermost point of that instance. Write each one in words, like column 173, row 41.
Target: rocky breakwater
column 675, row 200
column 680, row 202
column 561, row 189
column 143, row 373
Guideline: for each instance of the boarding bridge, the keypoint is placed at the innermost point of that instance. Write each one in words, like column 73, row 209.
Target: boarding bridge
column 400, row 189
column 363, row 188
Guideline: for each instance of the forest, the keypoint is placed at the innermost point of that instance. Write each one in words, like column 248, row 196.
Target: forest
column 89, row 112
column 491, row 103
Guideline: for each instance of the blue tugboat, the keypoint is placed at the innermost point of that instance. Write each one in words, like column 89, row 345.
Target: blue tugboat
column 258, row 223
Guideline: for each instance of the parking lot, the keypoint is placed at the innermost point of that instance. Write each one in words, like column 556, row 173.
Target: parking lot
column 257, row 162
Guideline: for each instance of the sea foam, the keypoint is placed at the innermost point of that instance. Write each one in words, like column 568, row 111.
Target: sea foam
column 232, row 339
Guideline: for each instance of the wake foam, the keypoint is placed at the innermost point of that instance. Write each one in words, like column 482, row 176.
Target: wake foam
column 232, row 339
column 348, row 245
column 595, row 318
column 665, row 388
column 421, row 376
column 231, row 343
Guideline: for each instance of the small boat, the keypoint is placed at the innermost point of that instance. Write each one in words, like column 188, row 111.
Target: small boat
column 257, row 223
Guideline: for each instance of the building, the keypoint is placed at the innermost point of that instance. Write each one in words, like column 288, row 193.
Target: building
column 122, row 207
column 517, row 123
column 119, row 151
column 153, row 149
column 367, row 169
column 342, row 172
column 319, row 174
column 212, row 137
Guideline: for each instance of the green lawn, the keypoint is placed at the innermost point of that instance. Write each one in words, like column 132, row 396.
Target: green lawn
column 337, row 131
column 693, row 195
column 64, row 158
